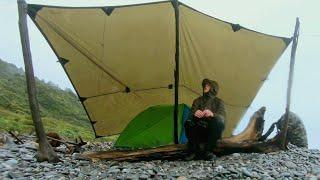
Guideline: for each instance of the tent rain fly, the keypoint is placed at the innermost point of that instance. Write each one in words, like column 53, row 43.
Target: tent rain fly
column 121, row 59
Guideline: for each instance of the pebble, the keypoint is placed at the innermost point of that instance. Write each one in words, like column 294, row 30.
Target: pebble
column 285, row 174
column 27, row 157
column 3, row 155
column 144, row 176
column 236, row 155
column 47, row 165
column 246, row 172
column 12, row 162
column 31, row 145
column 182, row 178
column 290, row 164
column 113, row 171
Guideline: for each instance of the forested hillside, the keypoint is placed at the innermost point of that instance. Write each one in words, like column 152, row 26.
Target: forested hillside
column 60, row 109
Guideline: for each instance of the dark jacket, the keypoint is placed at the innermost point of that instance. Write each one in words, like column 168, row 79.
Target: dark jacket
column 209, row 101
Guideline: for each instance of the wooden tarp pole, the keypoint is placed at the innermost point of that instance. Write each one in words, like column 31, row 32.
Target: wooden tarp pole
column 176, row 75
column 45, row 151
column 290, row 81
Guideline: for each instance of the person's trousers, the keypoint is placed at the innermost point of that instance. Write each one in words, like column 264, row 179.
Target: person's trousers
column 198, row 132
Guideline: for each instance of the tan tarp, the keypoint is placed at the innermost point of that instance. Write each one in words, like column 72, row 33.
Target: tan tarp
column 121, row 60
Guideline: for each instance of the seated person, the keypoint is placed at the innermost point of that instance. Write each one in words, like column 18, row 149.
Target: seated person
column 206, row 121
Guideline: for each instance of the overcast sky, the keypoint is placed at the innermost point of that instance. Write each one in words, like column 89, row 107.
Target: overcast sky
column 276, row 17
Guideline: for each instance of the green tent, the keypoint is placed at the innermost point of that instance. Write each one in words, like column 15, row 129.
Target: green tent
column 153, row 127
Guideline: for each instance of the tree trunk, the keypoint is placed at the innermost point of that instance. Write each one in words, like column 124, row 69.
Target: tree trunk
column 45, row 151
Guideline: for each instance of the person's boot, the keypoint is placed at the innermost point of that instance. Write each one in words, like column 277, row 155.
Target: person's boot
column 193, row 150
column 190, row 157
column 209, row 156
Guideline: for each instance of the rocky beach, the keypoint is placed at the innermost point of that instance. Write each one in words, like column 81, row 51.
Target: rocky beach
column 18, row 162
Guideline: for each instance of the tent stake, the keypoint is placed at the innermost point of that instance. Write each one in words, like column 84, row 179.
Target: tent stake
column 176, row 74
column 284, row 142
column 45, row 151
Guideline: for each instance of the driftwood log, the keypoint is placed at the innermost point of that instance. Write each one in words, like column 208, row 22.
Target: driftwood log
column 246, row 141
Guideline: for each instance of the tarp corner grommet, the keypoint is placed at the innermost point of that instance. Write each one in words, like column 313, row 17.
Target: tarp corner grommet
column 235, row 27
column 63, row 61
column 82, row 99
column 33, row 10
column 108, row 10
column 287, row 41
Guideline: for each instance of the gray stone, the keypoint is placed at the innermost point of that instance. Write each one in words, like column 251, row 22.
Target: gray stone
column 14, row 149
column 132, row 176
column 24, row 151
column 27, row 157
column 28, row 169
column 6, row 155
column 15, row 175
column 5, row 174
column 151, row 172
column 236, row 155
column 3, row 155
column 46, row 164
column 246, row 172
column 85, row 170
column 285, row 174
column 161, row 174
column 144, row 176
column 104, row 175
column 31, row 145
column 82, row 163
column 125, row 170
column 290, row 164
column 114, row 170
column 27, row 174
column 232, row 170
column 45, row 169
column 298, row 173
column 315, row 170
column 9, row 164
column 7, row 140
column 62, row 148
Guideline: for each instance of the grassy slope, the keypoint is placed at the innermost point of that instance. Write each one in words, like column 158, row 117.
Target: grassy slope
column 23, row 124
column 60, row 109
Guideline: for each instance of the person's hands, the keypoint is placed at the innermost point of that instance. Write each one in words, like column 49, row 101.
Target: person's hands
column 208, row 113
column 199, row 114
